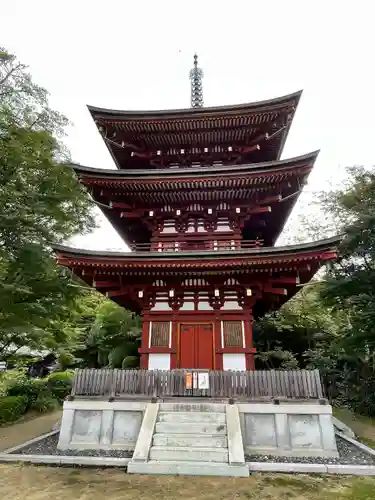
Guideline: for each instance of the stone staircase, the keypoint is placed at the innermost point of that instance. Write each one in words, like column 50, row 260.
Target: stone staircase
column 190, row 439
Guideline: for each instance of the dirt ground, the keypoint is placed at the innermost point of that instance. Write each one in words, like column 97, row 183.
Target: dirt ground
column 363, row 427
column 27, row 429
column 21, row 482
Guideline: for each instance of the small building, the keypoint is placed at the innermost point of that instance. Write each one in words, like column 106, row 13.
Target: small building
column 200, row 195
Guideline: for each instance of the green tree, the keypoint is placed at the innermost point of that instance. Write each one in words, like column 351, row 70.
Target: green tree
column 40, row 204
column 113, row 337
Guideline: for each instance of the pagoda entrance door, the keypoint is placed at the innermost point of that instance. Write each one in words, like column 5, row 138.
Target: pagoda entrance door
column 196, row 346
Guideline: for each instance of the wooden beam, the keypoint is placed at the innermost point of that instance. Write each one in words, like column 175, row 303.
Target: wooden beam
column 116, row 204
column 260, row 210
column 105, row 284
column 275, row 291
column 286, row 279
column 116, row 293
column 270, row 199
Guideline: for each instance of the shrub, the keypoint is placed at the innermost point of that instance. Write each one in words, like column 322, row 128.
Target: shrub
column 30, row 389
column 130, row 362
column 44, row 403
column 12, row 408
column 10, row 377
column 60, row 384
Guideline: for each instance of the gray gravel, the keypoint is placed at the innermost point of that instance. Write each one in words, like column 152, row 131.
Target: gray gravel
column 48, row 446
column 348, row 455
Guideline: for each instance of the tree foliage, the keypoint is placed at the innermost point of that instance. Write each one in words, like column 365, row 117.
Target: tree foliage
column 330, row 325
column 113, row 336
column 40, row 204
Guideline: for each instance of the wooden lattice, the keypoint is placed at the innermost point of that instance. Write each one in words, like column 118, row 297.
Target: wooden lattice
column 160, row 334
column 232, row 333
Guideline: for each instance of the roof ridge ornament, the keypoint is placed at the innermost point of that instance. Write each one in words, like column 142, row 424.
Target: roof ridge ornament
column 196, row 76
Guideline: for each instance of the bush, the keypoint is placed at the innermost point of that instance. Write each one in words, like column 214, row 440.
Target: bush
column 130, row 362
column 12, row 408
column 27, row 388
column 10, row 377
column 60, row 384
column 44, row 403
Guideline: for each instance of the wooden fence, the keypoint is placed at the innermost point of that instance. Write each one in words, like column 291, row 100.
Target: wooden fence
column 302, row 384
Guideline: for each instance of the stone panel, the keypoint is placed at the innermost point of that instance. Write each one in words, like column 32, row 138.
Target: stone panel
column 305, row 431
column 126, row 425
column 86, row 426
column 260, row 430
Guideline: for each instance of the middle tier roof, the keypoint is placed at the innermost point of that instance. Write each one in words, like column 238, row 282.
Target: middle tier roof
column 127, row 196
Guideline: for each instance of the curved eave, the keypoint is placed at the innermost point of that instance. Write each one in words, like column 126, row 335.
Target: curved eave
column 180, row 173
column 257, row 106
column 304, row 250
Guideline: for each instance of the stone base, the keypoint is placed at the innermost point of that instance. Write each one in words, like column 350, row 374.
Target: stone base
column 188, row 468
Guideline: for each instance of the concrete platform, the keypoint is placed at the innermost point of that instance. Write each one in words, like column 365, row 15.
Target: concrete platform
column 189, row 428
column 192, row 417
column 188, row 454
column 206, row 441
column 188, row 468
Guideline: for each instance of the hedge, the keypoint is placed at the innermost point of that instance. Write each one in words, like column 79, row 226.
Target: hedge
column 12, row 408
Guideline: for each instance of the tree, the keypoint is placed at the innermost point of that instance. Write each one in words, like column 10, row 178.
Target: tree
column 114, row 337
column 41, row 204
column 330, row 325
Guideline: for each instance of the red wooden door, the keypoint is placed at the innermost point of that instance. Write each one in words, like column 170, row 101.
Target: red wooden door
column 196, row 346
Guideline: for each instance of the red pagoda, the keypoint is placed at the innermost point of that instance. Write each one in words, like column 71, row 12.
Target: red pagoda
column 200, row 195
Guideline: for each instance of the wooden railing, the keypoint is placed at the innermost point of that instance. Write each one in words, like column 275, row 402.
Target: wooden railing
column 302, row 384
column 194, row 246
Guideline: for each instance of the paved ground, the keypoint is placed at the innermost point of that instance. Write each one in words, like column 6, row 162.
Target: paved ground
column 21, row 482
column 28, row 429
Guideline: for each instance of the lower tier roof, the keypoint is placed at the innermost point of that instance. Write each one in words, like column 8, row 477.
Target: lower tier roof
column 121, row 274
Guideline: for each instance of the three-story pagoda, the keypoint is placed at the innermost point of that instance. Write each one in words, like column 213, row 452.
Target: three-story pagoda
column 200, row 195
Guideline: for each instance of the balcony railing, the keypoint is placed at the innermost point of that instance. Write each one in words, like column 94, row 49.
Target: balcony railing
column 196, row 246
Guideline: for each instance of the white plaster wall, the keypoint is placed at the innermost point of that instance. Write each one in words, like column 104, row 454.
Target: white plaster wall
column 231, row 304
column 187, row 306
column 203, row 305
column 161, row 306
column 234, row 361
column 159, row 361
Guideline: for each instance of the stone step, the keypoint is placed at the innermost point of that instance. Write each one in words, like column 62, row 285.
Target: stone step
column 207, row 441
column 188, row 468
column 192, row 416
column 190, row 428
column 188, row 454
column 194, row 407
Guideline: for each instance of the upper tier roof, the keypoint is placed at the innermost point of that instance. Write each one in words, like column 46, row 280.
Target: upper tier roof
column 134, row 138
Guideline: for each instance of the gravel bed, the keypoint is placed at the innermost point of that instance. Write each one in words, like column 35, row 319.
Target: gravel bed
column 48, row 446
column 348, row 455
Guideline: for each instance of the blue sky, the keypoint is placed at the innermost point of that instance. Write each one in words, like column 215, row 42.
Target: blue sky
column 137, row 55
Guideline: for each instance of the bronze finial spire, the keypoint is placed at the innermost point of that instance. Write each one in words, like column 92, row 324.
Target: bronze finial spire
column 196, row 75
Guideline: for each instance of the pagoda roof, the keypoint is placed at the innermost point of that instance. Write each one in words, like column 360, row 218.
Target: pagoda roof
column 259, row 255
column 258, row 264
column 196, row 127
column 179, row 174
column 243, row 183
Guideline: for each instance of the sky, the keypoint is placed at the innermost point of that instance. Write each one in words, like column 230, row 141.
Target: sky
column 137, row 55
